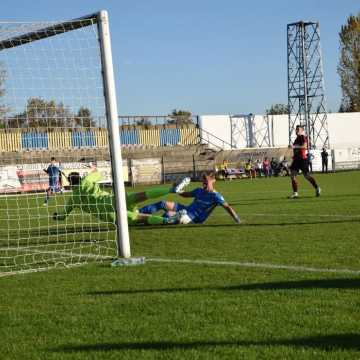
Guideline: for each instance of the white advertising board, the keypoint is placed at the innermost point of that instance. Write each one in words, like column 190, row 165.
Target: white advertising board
column 32, row 177
column 146, row 171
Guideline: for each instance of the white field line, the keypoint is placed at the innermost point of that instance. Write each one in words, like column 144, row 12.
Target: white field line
column 256, row 265
column 290, row 215
column 29, row 194
column 102, row 257
column 304, row 191
column 28, row 271
column 32, row 248
column 287, row 215
column 38, row 250
column 62, row 253
column 246, row 264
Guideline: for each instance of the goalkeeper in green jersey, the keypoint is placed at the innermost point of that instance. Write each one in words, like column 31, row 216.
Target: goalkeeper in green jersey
column 89, row 197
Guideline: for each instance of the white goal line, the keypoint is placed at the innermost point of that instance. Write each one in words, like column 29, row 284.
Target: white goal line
column 248, row 264
column 62, row 253
column 289, row 215
column 245, row 264
column 98, row 225
column 38, row 247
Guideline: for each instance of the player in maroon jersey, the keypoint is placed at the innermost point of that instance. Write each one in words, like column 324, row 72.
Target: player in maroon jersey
column 300, row 162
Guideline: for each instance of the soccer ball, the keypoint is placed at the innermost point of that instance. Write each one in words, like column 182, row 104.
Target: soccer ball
column 184, row 218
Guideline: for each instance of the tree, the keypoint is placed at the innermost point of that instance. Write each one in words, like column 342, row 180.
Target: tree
column 83, row 118
column 180, row 117
column 277, row 109
column 143, row 121
column 349, row 64
column 49, row 114
column 42, row 113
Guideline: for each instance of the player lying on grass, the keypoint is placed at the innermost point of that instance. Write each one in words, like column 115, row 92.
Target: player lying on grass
column 206, row 199
column 89, row 197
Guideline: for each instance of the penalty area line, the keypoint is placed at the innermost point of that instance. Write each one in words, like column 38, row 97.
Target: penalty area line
column 247, row 264
column 289, row 215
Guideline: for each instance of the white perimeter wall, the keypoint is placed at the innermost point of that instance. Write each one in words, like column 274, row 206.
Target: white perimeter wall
column 280, row 124
column 344, row 129
column 216, row 126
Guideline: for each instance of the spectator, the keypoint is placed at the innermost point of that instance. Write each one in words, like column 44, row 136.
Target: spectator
column 224, row 169
column 249, row 169
column 266, row 167
column 273, row 167
column 310, row 158
column 324, row 160
column 284, row 167
column 258, row 167
column 60, row 178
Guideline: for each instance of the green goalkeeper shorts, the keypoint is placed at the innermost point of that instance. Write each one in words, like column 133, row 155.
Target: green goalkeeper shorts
column 131, row 202
column 132, row 217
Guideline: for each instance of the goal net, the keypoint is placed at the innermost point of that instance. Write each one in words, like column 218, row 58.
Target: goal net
column 55, row 117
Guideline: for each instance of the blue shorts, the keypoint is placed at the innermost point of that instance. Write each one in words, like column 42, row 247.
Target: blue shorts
column 179, row 207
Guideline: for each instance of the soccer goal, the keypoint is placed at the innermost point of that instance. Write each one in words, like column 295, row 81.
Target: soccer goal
column 58, row 117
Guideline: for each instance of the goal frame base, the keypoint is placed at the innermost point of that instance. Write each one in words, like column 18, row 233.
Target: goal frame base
column 131, row 261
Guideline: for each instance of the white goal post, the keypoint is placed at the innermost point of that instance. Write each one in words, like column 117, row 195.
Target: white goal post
column 58, row 100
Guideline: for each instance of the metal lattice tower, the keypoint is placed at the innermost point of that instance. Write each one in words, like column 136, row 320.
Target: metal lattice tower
column 250, row 131
column 306, row 92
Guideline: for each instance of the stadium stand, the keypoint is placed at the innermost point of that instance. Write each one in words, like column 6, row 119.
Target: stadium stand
column 21, row 140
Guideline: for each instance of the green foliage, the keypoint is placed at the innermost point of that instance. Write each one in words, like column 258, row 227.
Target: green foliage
column 143, row 121
column 180, row 117
column 41, row 113
column 84, row 119
column 201, row 311
column 48, row 113
column 349, row 65
column 277, row 109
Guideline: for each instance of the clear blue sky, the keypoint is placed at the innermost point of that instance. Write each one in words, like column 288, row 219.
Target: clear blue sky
column 206, row 56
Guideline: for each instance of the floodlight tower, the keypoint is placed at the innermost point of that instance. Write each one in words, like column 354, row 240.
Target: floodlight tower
column 246, row 131
column 306, row 92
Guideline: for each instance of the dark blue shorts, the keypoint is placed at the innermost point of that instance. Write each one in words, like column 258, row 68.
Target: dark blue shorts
column 179, row 207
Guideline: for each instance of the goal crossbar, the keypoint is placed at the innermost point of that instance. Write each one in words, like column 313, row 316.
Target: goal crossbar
column 49, row 31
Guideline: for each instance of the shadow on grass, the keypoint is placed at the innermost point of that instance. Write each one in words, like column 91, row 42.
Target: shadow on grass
column 302, row 284
column 283, row 285
column 349, row 341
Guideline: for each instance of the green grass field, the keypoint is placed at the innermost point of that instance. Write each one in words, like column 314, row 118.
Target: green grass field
column 284, row 284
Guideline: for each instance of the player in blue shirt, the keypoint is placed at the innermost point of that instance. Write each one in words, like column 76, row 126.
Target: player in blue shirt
column 206, row 199
column 54, row 179
column 88, row 196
